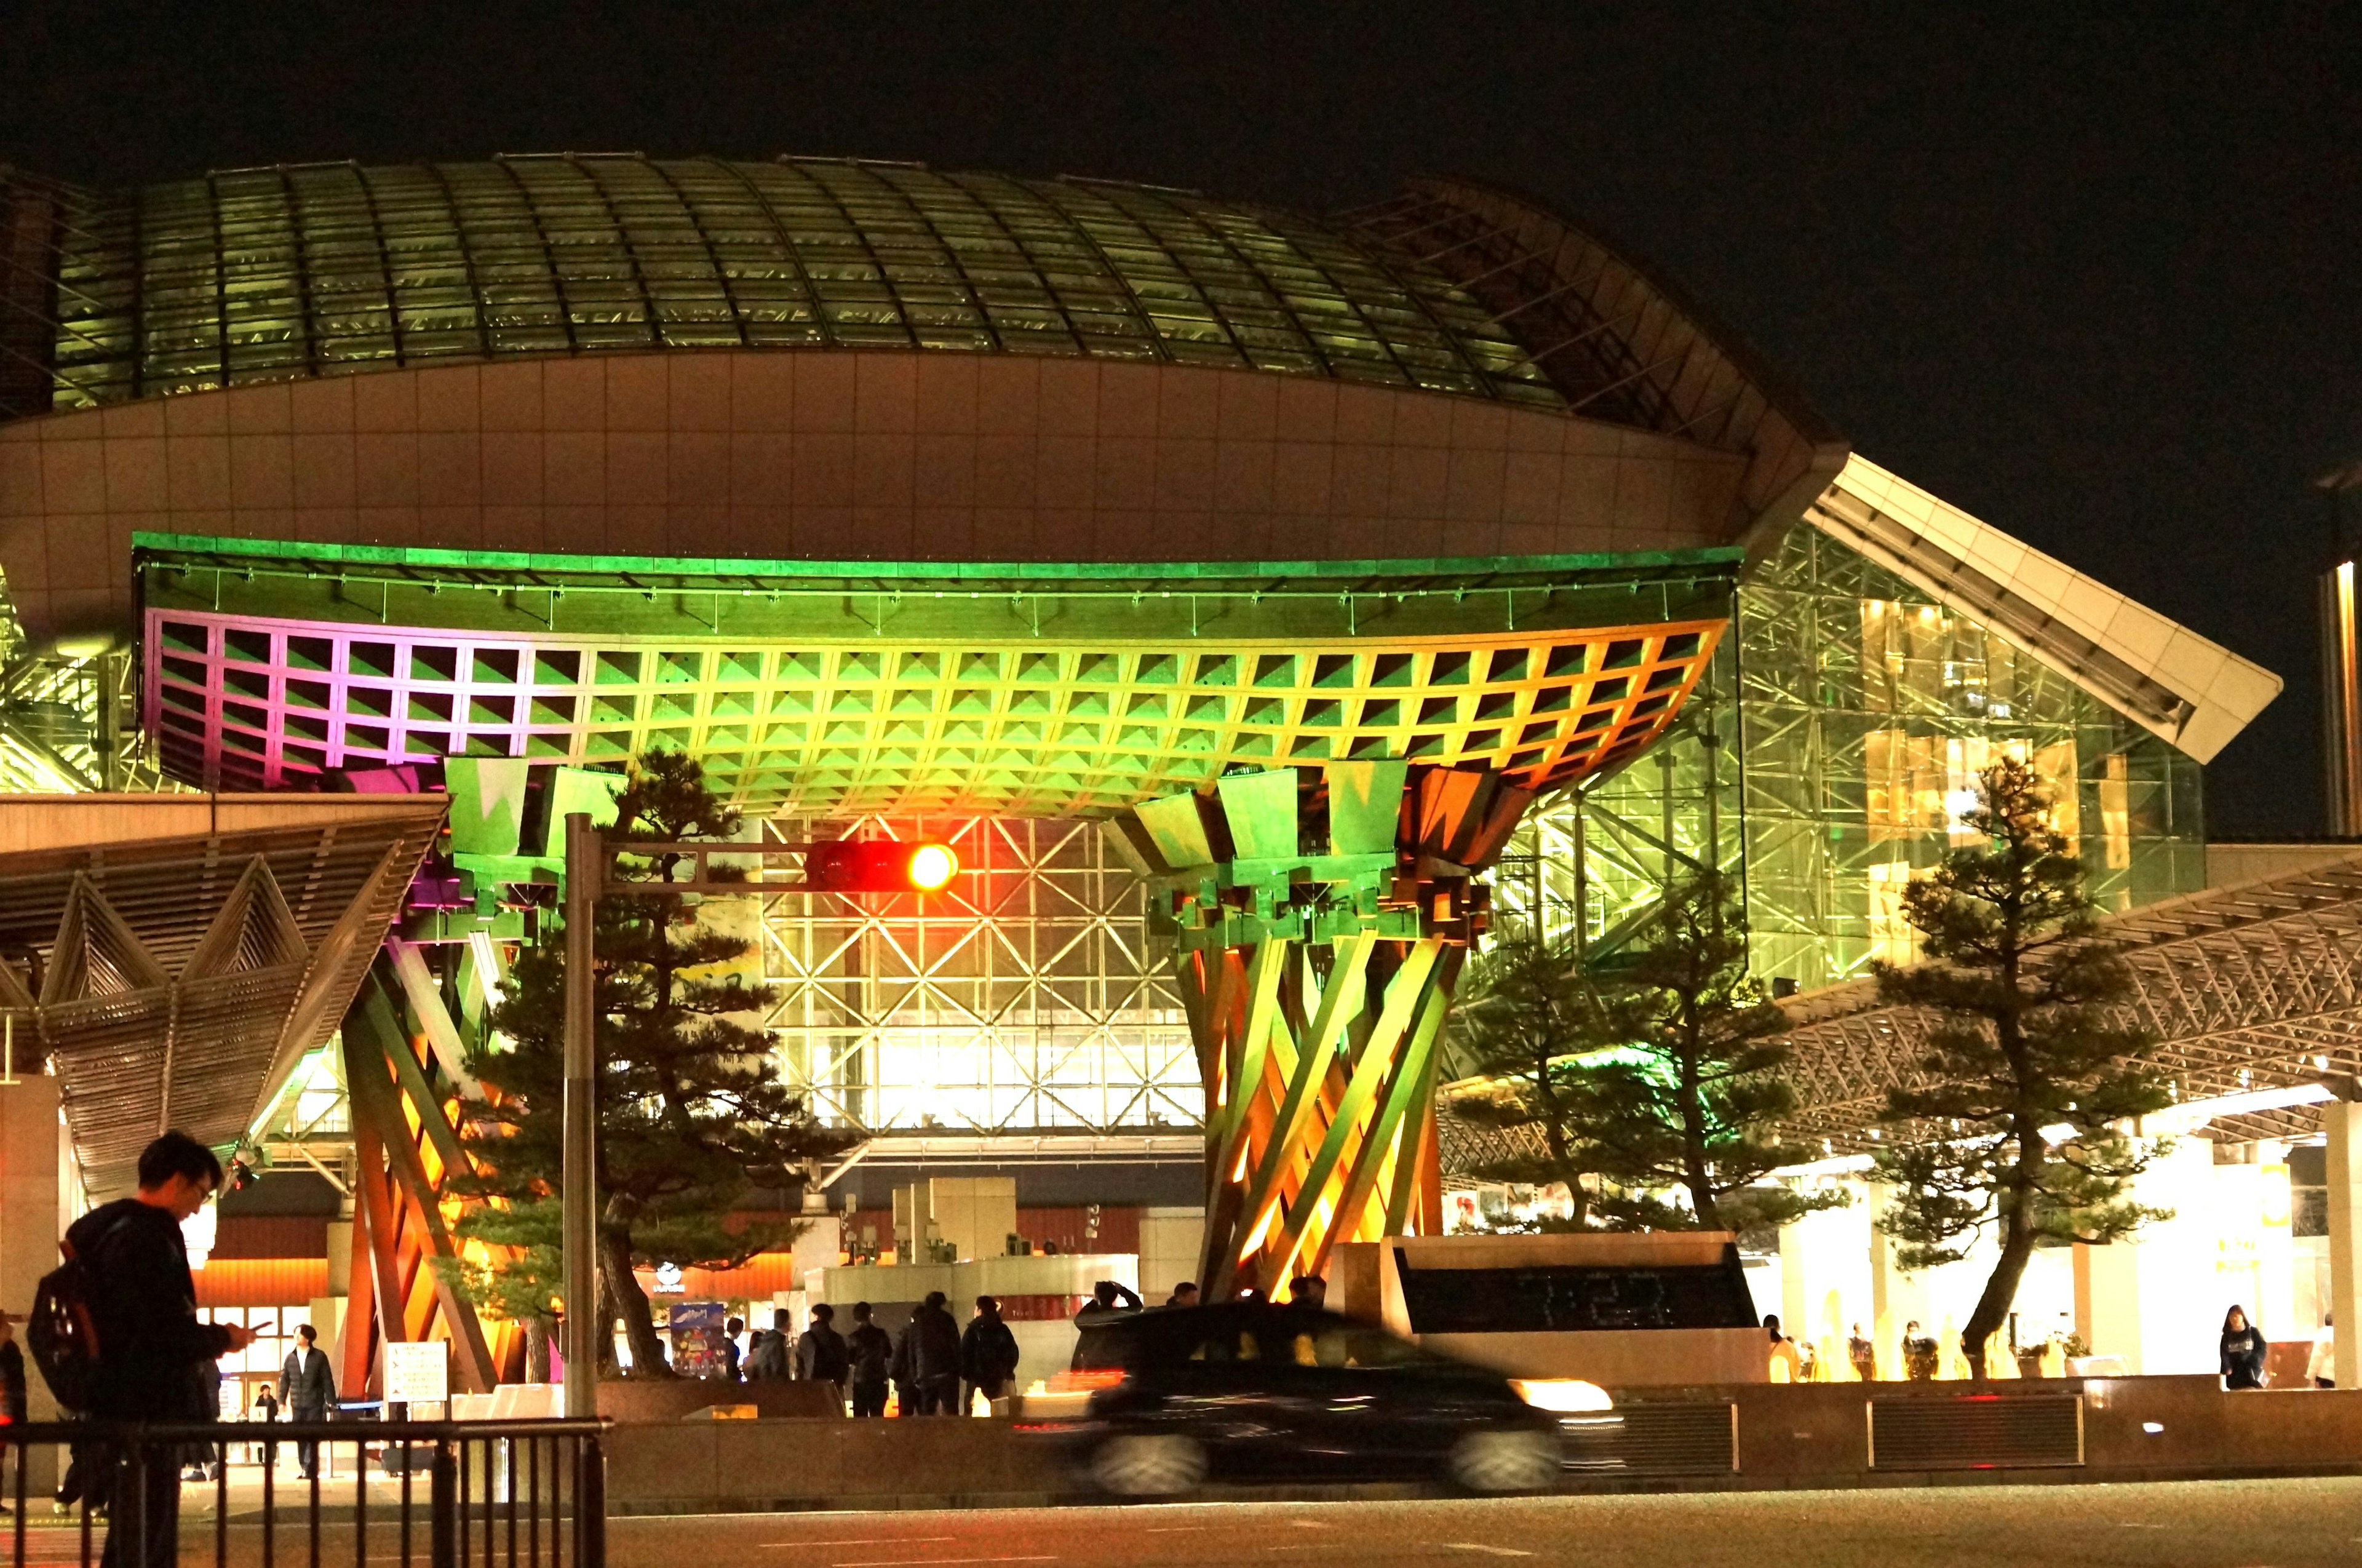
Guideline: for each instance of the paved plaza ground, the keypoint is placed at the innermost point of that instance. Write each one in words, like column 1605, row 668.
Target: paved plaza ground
column 2290, row 1523
column 2216, row 1524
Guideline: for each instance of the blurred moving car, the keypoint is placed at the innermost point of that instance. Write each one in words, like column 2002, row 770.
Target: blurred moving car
column 1255, row 1391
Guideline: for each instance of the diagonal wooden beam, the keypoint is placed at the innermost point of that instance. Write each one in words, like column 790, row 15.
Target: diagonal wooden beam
column 369, row 1088
column 1405, row 994
column 1282, row 1148
column 1377, row 1143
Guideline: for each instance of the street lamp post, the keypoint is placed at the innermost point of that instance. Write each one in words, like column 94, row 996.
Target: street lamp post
column 578, row 1180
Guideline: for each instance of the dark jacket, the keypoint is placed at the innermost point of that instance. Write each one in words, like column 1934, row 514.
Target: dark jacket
column 308, row 1381
column 932, row 1341
column 870, row 1349
column 2242, row 1357
column 987, row 1350
column 820, row 1355
column 144, row 1305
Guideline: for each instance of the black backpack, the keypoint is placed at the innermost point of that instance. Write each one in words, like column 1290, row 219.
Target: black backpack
column 62, row 1334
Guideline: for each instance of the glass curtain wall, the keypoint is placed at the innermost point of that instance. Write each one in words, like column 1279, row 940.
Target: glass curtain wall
column 1829, row 762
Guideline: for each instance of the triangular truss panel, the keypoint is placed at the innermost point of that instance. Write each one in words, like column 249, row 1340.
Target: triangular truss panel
column 174, row 981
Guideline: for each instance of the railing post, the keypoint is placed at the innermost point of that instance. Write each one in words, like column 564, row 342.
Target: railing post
column 590, row 1505
column 443, row 1507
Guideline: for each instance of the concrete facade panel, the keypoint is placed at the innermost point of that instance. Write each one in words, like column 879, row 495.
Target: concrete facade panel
column 835, row 455
column 135, row 474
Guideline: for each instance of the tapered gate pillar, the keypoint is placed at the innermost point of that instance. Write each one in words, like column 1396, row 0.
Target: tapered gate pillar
column 1321, row 918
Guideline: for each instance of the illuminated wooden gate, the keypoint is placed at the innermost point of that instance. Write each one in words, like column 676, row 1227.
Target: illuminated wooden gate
column 1322, row 917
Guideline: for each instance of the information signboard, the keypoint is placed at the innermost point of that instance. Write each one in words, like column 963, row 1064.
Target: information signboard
column 417, row 1373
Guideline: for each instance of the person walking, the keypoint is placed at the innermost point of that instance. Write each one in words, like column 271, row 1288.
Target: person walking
column 205, row 1458
column 143, row 1304
column 1864, row 1355
column 869, row 1355
column 268, row 1403
column 2321, row 1367
column 12, row 1387
column 1783, row 1351
column 772, row 1357
column 819, row 1353
column 934, row 1338
column 731, row 1330
column 988, row 1355
column 1919, row 1353
column 2244, row 1350
column 310, row 1385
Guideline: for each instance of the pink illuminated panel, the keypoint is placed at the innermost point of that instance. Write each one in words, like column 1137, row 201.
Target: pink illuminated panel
column 274, row 704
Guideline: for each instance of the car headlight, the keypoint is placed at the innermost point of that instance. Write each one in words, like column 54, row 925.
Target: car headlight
column 1562, row 1395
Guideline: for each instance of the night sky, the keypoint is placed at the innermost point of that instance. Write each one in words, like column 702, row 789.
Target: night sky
column 2098, row 281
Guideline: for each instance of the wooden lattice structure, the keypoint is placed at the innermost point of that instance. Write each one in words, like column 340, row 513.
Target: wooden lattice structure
column 1322, row 919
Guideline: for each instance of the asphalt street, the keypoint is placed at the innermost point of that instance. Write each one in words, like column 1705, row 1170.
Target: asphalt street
column 2234, row 1524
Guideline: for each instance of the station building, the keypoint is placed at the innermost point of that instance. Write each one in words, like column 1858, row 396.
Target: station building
column 1002, row 510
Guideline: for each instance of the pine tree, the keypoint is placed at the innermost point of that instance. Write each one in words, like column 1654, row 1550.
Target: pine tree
column 1658, row 1071
column 2030, row 1074
column 1525, row 1013
column 691, row 1114
column 1689, row 1103
column 527, row 1277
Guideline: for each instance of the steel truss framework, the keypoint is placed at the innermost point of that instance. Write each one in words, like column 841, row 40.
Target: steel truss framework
column 1814, row 763
column 1030, row 996
column 69, row 722
column 2251, row 989
column 176, row 982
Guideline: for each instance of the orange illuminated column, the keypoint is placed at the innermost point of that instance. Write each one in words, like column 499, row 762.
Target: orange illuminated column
column 1322, row 917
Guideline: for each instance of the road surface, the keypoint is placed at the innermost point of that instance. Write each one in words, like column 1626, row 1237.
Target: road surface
column 2234, row 1524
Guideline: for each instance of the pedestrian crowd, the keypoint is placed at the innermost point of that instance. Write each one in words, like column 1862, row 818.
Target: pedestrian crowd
column 933, row 1367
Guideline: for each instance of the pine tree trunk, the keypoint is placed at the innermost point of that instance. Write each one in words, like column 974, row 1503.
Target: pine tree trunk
column 2000, row 1290
column 537, row 1350
column 632, row 1305
column 2016, row 1247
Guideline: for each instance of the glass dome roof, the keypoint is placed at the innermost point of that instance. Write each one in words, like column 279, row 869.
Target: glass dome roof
column 273, row 274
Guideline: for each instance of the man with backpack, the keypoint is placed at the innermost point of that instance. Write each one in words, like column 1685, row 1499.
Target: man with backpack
column 870, row 1351
column 118, row 1337
column 819, row 1353
column 772, row 1357
column 934, row 1340
column 987, row 1354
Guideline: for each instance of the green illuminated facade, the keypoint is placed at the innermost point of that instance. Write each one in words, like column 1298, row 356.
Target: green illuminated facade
column 1863, row 706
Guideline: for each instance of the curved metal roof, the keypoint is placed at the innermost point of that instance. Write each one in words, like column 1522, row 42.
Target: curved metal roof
column 269, row 274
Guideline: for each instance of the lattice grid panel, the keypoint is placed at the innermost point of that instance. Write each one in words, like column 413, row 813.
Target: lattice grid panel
column 1021, row 731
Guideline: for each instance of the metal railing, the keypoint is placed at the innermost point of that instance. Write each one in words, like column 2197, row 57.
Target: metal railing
column 516, row 1494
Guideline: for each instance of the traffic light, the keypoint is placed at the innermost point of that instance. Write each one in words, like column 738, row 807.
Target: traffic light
column 880, row 866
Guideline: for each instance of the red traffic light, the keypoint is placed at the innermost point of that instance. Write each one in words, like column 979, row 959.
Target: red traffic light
column 880, row 866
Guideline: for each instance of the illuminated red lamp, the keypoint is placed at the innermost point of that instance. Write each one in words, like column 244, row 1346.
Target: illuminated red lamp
column 880, row 866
